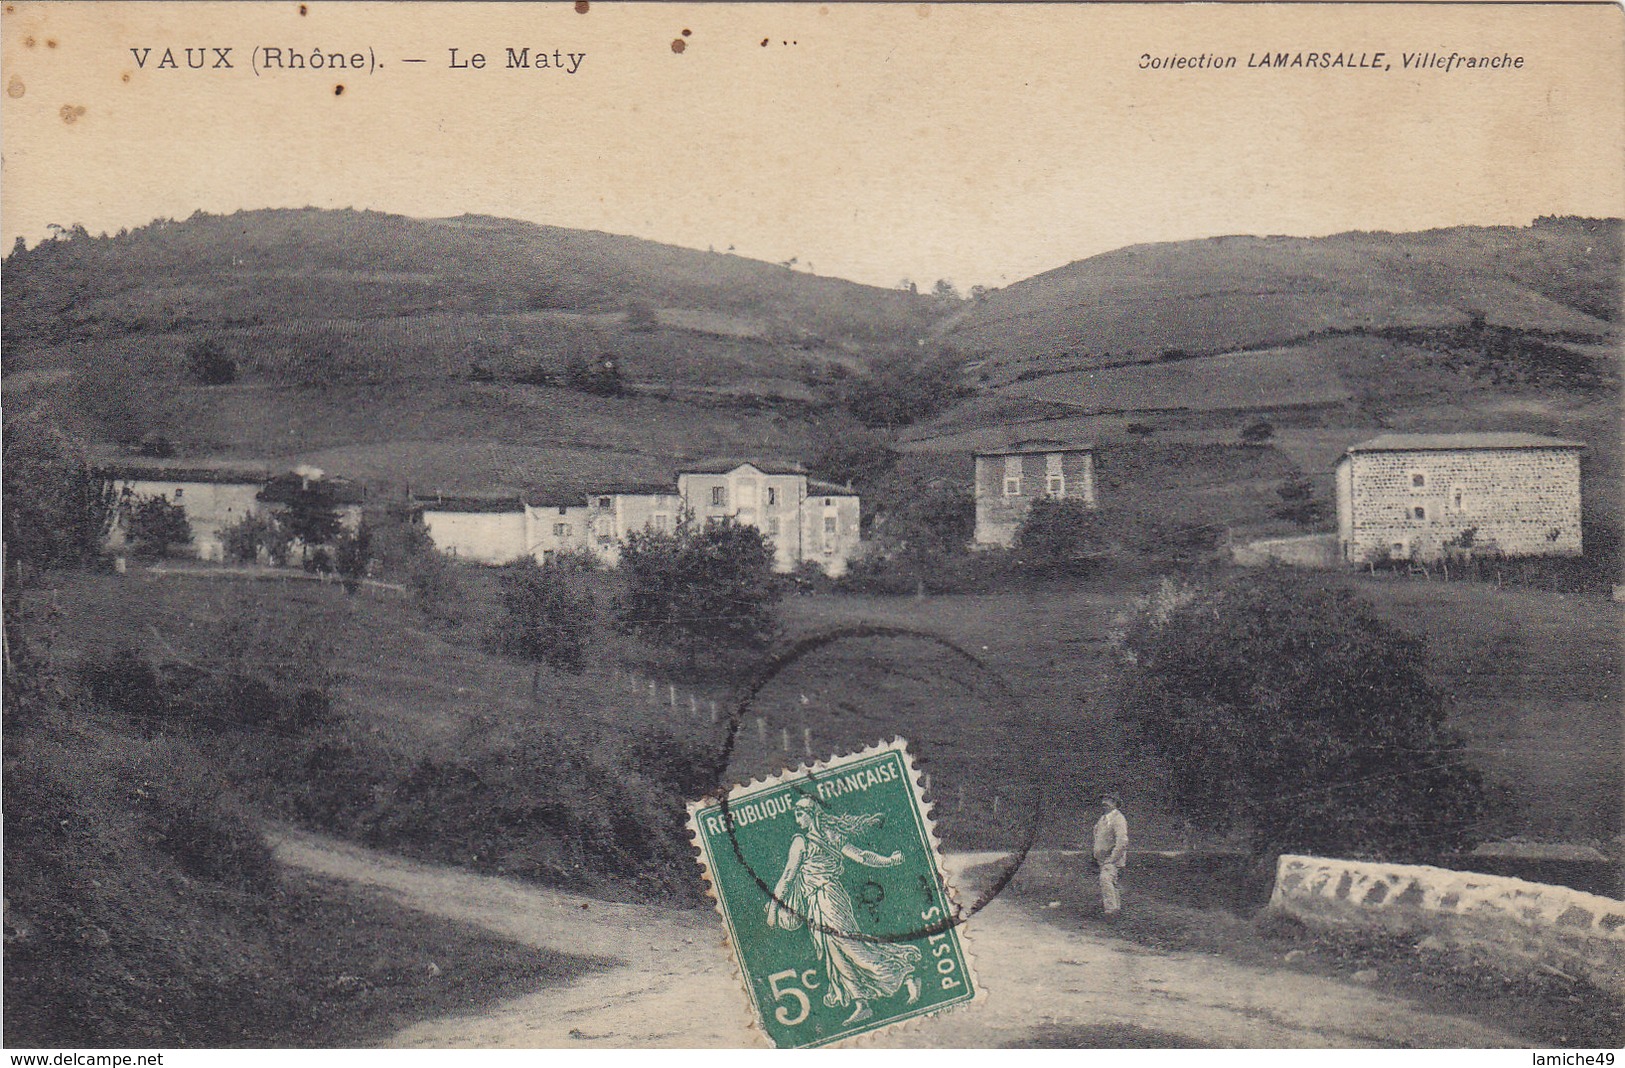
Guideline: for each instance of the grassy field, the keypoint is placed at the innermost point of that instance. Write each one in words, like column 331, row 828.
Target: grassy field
column 1264, row 379
column 1532, row 677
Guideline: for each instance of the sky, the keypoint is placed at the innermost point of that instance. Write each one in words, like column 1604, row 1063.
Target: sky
column 978, row 143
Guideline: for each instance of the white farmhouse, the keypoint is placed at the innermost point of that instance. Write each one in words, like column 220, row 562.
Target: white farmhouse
column 213, row 498
column 1405, row 496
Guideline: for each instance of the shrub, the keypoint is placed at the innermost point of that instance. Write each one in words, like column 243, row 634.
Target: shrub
column 254, row 535
column 544, row 619
column 697, row 589
column 58, row 510
column 208, row 362
column 1289, row 709
column 192, row 818
column 157, row 527
column 1060, row 534
column 1257, row 433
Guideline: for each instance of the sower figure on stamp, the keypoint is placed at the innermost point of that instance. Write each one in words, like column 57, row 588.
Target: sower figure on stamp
column 858, row 971
column 1111, row 852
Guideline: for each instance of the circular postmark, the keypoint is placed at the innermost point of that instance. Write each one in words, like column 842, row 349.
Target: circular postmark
column 870, row 895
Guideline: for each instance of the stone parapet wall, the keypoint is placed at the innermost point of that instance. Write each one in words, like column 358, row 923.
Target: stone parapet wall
column 1307, row 550
column 1508, row 921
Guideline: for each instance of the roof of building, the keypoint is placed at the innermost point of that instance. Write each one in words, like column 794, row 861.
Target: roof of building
column 280, row 490
column 443, row 503
column 1449, row 442
column 724, row 464
column 633, row 489
column 830, row 489
column 1029, row 446
column 206, row 475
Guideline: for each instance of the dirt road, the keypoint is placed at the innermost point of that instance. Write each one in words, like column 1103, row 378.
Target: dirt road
column 669, row 983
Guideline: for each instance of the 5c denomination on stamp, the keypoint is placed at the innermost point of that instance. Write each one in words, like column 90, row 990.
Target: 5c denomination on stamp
column 838, row 912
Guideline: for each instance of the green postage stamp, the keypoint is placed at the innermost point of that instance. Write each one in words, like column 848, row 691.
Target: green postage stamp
column 839, row 915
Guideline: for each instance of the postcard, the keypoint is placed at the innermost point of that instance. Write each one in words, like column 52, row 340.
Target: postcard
column 586, row 525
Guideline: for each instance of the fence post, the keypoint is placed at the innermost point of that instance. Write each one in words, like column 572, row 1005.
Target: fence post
column 961, row 807
column 761, row 730
column 784, row 739
column 713, row 713
column 806, row 740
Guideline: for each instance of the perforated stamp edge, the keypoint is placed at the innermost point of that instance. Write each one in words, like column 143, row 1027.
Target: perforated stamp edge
column 889, row 1028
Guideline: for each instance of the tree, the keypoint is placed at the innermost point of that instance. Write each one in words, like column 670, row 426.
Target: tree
column 545, row 619
column 701, row 589
column 945, row 292
column 1059, row 534
column 256, row 533
column 855, row 455
column 351, row 555
column 157, row 527
column 209, row 363
column 312, row 515
column 601, row 376
column 902, row 388
column 57, row 508
column 1257, row 433
column 1288, row 709
column 1298, row 503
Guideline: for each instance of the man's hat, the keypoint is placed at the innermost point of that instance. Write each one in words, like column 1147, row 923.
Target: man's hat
column 1113, row 798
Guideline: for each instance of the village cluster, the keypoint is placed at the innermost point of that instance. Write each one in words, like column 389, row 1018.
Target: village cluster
column 1404, row 497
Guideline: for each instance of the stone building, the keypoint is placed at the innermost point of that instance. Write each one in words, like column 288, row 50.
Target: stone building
column 1008, row 480
column 801, row 518
column 1413, row 496
column 213, row 498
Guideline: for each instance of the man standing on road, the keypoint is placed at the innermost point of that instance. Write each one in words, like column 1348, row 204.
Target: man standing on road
column 1111, row 853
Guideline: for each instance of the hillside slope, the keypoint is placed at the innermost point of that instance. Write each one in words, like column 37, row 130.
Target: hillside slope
column 1224, row 294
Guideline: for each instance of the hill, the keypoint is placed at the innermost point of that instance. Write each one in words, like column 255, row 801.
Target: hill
column 432, row 351
column 1558, row 277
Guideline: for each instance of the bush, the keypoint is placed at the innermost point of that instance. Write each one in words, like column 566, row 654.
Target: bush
column 1290, row 710
column 1257, row 433
column 58, row 510
column 128, row 685
column 902, row 389
column 157, row 527
column 191, row 818
column 208, row 362
column 1060, row 535
column 544, row 619
column 701, row 589
column 254, row 535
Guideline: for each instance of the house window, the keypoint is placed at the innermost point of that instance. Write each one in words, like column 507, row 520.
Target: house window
column 829, row 546
column 1012, row 476
column 719, row 496
column 772, row 496
column 1399, row 548
column 563, row 511
column 561, row 530
column 1057, row 486
column 605, row 539
column 773, row 527
column 179, row 493
column 828, row 503
column 829, row 524
column 603, row 502
column 747, row 494
column 547, row 557
column 1419, row 512
column 1418, row 480
column 660, row 522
